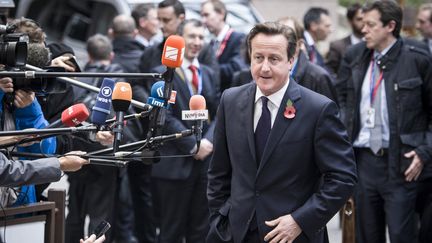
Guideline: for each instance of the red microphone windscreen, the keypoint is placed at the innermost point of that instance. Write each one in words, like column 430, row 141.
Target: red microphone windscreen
column 197, row 102
column 121, row 96
column 173, row 51
column 74, row 115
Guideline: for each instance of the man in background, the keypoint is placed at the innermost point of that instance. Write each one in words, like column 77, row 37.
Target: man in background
column 337, row 48
column 147, row 23
column 225, row 42
column 317, row 24
column 424, row 23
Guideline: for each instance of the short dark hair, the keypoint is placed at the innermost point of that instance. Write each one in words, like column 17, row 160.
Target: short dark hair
column 313, row 15
column 352, row 10
column 177, row 5
column 194, row 22
column 389, row 11
column 99, row 47
column 274, row 28
column 218, row 6
column 141, row 11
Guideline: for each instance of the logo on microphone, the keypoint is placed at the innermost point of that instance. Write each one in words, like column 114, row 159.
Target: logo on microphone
column 123, row 89
column 171, row 53
column 160, row 91
column 106, row 91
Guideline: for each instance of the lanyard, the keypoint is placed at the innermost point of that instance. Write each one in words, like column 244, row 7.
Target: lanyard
column 374, row 84
column 224, row 43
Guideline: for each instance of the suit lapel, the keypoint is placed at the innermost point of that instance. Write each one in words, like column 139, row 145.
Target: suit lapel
column 247, row 108
column 281, row 122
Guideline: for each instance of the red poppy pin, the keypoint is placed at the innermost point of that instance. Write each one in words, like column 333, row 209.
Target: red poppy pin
column 289, row 110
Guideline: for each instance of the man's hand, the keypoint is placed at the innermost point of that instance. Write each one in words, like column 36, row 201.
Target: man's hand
column 206, row 147
column 285, row 230
column 105, row 138
column 72, row 162
column 415, row 168
column 23, row 98
column 6, row 85
column 92, row 239
column 63, row 61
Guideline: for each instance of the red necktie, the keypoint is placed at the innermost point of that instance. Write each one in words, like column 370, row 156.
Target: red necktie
column 195, row 81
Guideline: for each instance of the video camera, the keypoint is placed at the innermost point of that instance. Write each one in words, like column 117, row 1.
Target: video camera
column 14, row 54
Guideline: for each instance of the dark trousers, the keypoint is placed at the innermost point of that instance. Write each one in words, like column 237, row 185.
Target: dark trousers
column 381, row 201
column 424, row 208
column 183, row 207
column 92, row 192
column 140, row 188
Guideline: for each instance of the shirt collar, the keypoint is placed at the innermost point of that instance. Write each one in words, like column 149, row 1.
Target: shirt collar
column 223, row 32
column 308, row 37
column 385, row 49
column 354, row 39
column 275, row 98
column 186, row 63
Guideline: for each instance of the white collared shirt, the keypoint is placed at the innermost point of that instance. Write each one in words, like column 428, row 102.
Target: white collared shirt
column 223, row 33
column 273, row 104
column 308, row 37
column 185, row 67
column 354, row 39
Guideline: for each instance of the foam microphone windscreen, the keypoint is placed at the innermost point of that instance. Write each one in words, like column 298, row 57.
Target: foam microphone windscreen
column 173, row 51
column 156, row 94
column 102, row 107
column 75, row 115
column 122, row 96
column 197, row 102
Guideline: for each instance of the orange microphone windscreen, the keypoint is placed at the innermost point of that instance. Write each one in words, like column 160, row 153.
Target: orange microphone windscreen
column 173, row 51
column 122, row 96
column 197, row 102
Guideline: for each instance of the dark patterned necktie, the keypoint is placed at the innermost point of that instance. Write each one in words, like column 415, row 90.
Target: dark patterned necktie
column 262, row 130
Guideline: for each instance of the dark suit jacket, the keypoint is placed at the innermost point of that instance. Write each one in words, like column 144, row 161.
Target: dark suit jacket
column 230, row 61
column 314, row 77
column 181, row 167
column 407, row 72
column 336, row 52
column 319, row 58
column 307, row 169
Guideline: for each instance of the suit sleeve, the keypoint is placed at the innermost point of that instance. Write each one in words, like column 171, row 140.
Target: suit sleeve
column 333, row 59
column 20, row 172
column 219, row 173
column 334, row 158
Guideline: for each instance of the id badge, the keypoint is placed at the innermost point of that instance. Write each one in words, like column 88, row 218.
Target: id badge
column 370, row 118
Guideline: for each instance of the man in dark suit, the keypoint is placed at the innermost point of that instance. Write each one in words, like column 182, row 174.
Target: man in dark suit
column 304, row 72
column 338, row 48
column 181, row 181
column 226, row 42
column 287, row 179
column 317, row 23
column 171, row 13
column 385, row 86
column 424, row 23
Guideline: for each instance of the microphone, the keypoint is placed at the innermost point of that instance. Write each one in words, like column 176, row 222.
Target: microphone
column 173, row 51
column 71, row 117
column 198, row 113
column 172, row 58
column 101, row 109
column 121, row 99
